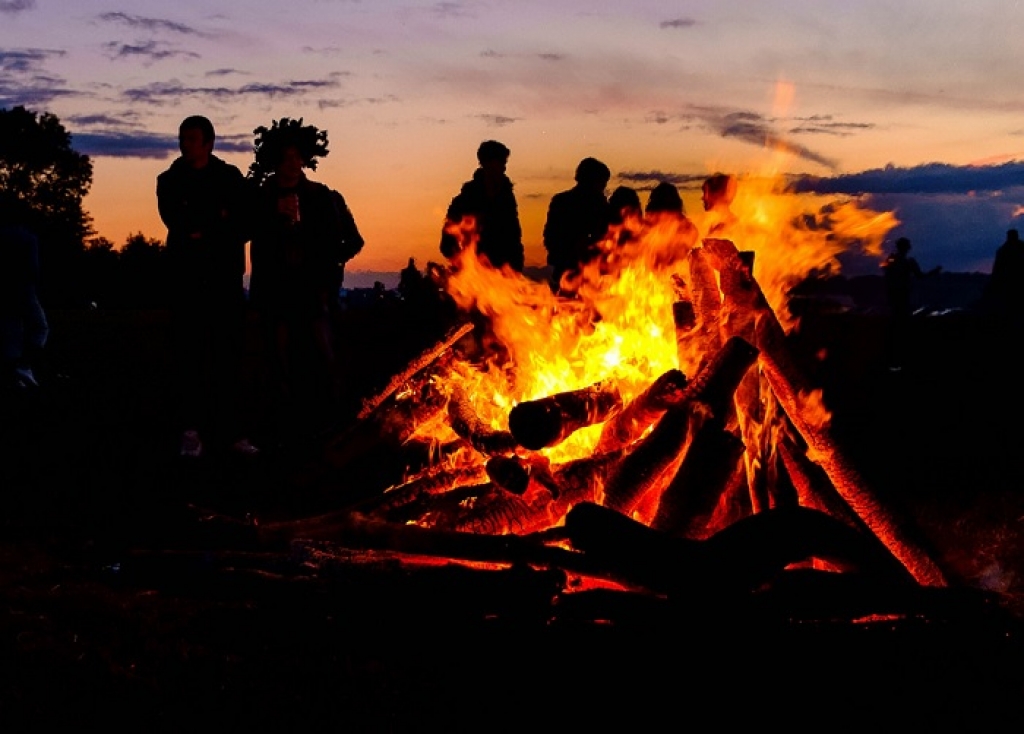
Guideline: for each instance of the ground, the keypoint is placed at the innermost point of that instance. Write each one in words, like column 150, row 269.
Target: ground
column 130, row 599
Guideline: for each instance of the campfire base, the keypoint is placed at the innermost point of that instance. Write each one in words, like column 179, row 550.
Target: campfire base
column 379, row 641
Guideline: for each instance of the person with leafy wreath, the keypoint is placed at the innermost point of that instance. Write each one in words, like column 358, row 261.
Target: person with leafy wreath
column 304, row 234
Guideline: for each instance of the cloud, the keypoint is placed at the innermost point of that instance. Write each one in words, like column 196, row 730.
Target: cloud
column 149, row 24
column 159, row 93
column 16, row 6
column 929, row 178
column 114, row 143
column 678, row 23
column 498, row 120
column 150, row 51
column 646, row 180
column 26, row 60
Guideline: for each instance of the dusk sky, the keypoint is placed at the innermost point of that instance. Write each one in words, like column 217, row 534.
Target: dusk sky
column 915, row 107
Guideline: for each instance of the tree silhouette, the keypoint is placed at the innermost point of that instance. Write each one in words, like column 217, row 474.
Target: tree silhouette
column 310, row 140
column 42, row 183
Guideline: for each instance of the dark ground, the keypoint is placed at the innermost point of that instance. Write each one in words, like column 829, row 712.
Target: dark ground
column 118, row 608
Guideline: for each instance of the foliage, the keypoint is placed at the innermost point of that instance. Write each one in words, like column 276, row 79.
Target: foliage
column 270, row 143
column 43, row 181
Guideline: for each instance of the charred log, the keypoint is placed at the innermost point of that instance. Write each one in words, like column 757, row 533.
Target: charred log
column 735, row 561
column 537, row 424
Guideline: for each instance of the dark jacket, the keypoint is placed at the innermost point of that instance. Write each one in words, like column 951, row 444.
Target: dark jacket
column 299, row 266
column 577, row 220
column 497, row 222
column 207, row 213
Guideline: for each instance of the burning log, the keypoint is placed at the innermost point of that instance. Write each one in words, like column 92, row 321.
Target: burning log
column 735, row 561
column 707, row 300
column 514, row 473
column 537, row 424
column 653, row 458
column 467, row 424
column 625, row 426
column 656, row 458
column 424, row 360
column 787, row 382
column 431, row 482
column 688, row 502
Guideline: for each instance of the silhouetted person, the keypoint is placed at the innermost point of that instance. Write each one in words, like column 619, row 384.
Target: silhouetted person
column 577, row 220
column 23, row 325
column 303, row 231
column 671, row 233
column 204, row 202
column 900, row 270
column 625, row 213
column 490, row 200
column 1004, row 293
column 410, row 282
column 717, row 194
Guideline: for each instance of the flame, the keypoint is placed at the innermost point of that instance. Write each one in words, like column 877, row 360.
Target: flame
column 619, row 326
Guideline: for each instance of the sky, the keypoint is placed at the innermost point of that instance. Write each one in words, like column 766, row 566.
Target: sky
column 914, row 108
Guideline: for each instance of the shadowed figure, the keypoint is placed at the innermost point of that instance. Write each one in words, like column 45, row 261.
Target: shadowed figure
column 1004, row 293
column 577, row 220
column 23, row 325
column 204, row 202
column 900, row 270
column 490, row 200
column 304, row 235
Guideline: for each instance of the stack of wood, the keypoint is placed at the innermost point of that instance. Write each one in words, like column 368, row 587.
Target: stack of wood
column 688, row 458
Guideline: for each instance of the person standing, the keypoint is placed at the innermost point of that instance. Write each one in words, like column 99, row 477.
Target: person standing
column 577, row 220
column 204, row 202
column 1004, row 292
column 304, row 234
column 24, row 328
column 490, row 200
column 900, row 270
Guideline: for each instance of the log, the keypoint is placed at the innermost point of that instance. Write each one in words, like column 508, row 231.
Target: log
column 538, row 424
column 689, row 501
column 731, row 563
column 626, row 425
column 467, row 424
column 651, row 462
column 790, row 388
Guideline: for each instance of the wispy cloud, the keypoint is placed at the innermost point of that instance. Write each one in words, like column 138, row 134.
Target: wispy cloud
column 498, row 120
column 24, row 81
column 647, row 180
column 159, row 93
column 149, row 24
column 149, row 51
column 678, row 23
column 16, row 6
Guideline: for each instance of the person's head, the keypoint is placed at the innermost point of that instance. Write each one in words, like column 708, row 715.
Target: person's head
column 593, row 174
column 903, row 245
column 492, row 151
column 665, row 198
column 719, row 189
column 1012, row 235
column 493, row 158
column 195, row 140
column 624, row 201
column 287, row 143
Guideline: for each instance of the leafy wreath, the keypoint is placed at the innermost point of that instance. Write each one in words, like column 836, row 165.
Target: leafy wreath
column 270, row 143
